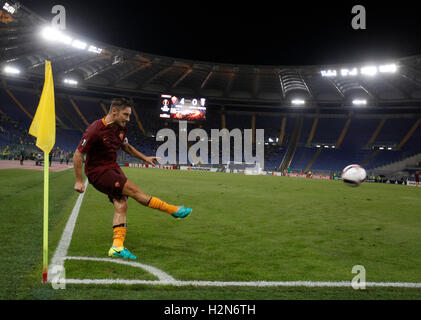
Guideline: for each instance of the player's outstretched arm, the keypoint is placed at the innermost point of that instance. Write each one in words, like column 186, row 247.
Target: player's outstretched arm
column 129, row 149
column 77, row 164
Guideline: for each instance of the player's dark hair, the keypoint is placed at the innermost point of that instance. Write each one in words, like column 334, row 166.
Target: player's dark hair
column 121, row 103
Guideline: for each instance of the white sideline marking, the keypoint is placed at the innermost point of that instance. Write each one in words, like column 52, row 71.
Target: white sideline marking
column 166, row 279
column 161, row 275
column 66, row 238
column 310, row 284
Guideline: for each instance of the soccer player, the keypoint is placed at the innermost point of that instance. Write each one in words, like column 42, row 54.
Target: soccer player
column 101, row 141
column 417, row 178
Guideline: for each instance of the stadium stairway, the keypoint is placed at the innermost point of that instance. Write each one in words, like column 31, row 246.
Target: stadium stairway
column 103, row 108
column 337, row 144
column 63, row 109
column 312, row 131
column 289, row 155
column 76, row 108
column 282, row 133
column 343, row 133
column 12, row 96
column 301, row 158
column 316, row 155
column 351, row 137
column 409, row 134
column 10, row 108
column 139, row 123
column 375, row 133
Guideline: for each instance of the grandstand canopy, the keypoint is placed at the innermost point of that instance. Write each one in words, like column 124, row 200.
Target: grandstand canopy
column 93, row 67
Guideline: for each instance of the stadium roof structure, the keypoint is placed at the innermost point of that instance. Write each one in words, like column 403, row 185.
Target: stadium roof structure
column 94, row 67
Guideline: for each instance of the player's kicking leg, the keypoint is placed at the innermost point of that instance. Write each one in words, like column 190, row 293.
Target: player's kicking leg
column 133, row 191
column 119, row 230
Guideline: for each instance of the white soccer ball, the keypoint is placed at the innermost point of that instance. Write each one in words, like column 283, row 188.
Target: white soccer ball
column 353, row 175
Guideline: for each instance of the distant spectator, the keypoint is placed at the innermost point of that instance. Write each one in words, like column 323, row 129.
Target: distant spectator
column 22, row 155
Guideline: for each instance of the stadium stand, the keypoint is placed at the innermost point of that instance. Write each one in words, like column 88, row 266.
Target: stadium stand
column 323, row 135
column 354, row 148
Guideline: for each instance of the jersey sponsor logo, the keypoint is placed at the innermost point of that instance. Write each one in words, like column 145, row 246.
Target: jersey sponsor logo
column 83, row 142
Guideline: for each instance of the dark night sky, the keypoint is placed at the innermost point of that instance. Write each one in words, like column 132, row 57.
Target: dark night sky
column 257, row 32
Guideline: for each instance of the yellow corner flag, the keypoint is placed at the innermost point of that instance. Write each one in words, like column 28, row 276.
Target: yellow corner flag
column 43, row 127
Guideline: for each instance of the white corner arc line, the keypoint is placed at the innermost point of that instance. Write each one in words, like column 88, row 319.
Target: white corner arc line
column 66, row 238
column 161, row 275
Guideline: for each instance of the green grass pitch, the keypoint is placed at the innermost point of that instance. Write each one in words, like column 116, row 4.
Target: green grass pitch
column 243, row 228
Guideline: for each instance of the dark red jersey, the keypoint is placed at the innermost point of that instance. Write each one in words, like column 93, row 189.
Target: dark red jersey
column 417, row 176
column 101, row 142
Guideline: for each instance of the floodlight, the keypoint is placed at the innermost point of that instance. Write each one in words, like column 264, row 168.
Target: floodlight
column 369, row 70
column 94, row 49
column 79, row 44
column 348, row 72
column 388, row 68
column 328, row 73
column 353, row 72
column 11, row 70
column 64, row 39
column 359, row 102
column 344, row 72
column 70, row 81
column 298, row 102
column 50, row 34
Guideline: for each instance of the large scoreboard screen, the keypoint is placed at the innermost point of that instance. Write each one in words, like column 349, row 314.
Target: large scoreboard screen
column 182, row 108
